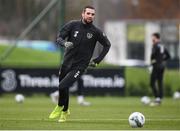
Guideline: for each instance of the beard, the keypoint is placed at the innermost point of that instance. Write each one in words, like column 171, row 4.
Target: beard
column 86, row 21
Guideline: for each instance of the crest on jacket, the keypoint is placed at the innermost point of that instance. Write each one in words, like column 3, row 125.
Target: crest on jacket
column 89, row 35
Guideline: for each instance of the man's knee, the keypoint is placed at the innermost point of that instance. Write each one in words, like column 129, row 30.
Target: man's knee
column 152, row 85
column 152, row 82
column 63, row 85
column 69, row 79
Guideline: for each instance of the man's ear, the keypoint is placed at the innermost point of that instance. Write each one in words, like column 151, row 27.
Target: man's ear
column 82, row 14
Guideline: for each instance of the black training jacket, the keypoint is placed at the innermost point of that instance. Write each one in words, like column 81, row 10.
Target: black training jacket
column 84, row 38
column 159, row 55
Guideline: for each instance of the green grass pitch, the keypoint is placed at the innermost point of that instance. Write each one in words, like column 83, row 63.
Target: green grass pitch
column 106, row 113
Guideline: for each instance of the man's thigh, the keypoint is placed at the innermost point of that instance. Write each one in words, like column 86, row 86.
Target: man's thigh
column 70, row 78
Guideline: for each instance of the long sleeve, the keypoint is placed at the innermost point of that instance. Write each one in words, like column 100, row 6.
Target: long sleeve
column 103, row 40
column 166, row 55
column 159, row 55
column 153, row 55
column 63, row 33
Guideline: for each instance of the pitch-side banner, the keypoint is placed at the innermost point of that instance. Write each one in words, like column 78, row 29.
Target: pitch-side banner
column 93, row 82
column 103, row 81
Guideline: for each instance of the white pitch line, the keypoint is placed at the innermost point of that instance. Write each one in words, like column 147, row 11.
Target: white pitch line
column 46, row 119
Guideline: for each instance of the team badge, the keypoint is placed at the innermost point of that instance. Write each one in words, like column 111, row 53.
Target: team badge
column 89, row 35
column 76, row 33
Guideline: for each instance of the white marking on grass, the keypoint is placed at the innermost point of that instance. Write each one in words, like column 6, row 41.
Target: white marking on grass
column 46, row 119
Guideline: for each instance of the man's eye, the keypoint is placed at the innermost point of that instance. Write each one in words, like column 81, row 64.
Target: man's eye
column 90, row 14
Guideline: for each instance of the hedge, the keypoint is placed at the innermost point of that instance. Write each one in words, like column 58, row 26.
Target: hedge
column 138, row 79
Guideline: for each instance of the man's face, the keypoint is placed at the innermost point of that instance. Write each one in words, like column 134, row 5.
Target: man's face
column 88, row 15
column 155, row 40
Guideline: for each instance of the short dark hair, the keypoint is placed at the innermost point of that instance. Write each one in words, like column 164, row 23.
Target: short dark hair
column 89, row 7
column 157, row 35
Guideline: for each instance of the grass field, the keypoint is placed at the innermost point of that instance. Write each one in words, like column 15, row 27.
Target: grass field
column 106, row 113
column 29, row 58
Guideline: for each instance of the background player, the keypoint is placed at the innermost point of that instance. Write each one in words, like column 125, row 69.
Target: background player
column 158, row 58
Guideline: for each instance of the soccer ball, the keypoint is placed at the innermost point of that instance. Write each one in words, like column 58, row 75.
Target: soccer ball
column 176, row 95
column 19, row 98
column 136, row 119
column 145, row 100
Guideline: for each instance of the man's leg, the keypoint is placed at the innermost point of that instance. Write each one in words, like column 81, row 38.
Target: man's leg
column 154, row 79
column 153, row 82
column 160, row 83
column 66, row 101
column 62, row 91
column 64, row 85
column 80, row 86
column 62, row 96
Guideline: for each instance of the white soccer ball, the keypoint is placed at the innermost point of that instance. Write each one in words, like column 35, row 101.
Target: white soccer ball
column 176, row 95
column 136, row 119
column 145, row 100
column 19, row 98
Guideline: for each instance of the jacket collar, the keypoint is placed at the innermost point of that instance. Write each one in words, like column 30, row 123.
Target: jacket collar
column 85, row 24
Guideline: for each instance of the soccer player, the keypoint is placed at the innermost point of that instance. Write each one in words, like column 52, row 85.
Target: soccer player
column 158, row 58
column 79, row 38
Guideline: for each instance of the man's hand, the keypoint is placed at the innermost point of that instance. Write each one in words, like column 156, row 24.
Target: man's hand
column 153, row 61
column 92, row 64
column 68, row 45
column 150, row 68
